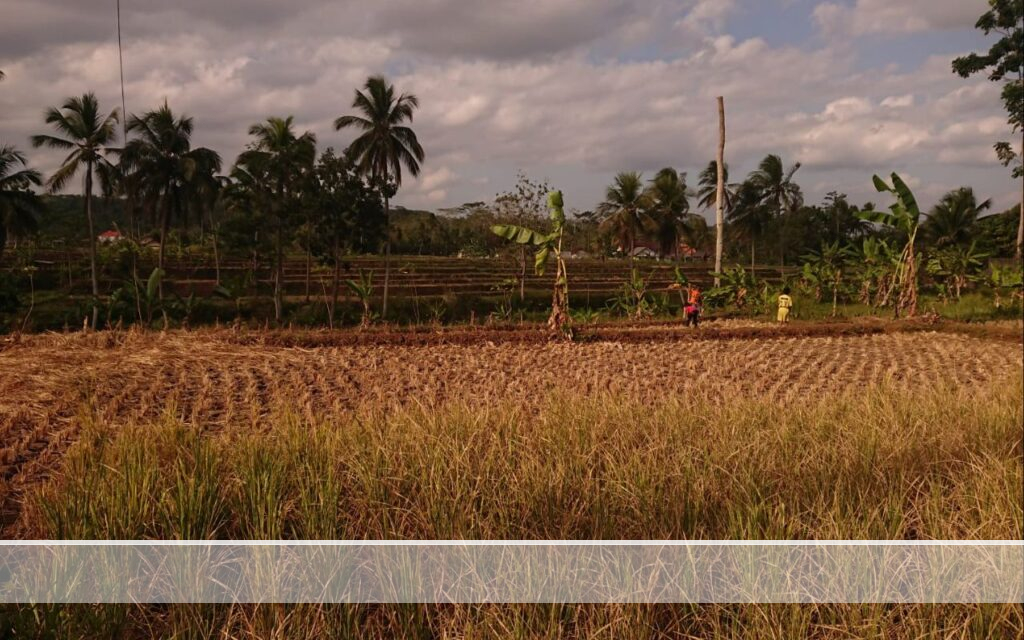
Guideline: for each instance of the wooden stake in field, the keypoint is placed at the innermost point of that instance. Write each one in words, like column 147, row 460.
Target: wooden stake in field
column 720, row 196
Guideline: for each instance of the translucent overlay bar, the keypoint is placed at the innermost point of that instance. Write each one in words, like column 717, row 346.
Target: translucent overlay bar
column 506, row 571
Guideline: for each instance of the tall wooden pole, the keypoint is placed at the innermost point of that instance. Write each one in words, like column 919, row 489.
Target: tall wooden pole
column 720, row 196
column 1020, row 225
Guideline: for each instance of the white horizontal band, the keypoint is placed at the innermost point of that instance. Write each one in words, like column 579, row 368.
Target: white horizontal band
column 513, row 571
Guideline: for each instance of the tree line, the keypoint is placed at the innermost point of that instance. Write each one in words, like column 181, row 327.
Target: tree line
column 277, row 189
column 281, row 195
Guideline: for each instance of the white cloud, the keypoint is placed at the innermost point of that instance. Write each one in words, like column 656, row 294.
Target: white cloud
column 706, row 16
column 896, row 16
column 573, row 114
column 899, row 102
column 432, row 180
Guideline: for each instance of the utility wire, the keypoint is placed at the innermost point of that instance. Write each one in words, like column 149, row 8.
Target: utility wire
column 120, row 57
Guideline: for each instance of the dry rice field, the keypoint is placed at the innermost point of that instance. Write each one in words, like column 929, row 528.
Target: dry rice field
column 223, row 379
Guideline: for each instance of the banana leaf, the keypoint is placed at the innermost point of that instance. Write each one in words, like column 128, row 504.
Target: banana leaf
column 520, row 235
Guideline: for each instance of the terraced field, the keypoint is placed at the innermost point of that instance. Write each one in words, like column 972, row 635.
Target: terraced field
column 224, row 379
column 414, row 276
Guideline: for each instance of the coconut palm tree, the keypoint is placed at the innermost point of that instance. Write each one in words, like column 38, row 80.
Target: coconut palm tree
column 385, row 145
column 160, row 160
column 87, row 135
column 951, row 221
column 749, row 216
column 777, row 190
column 19, row 205
column 669, row 208
column 277, row 161
column 707, row 187
column 625, row 202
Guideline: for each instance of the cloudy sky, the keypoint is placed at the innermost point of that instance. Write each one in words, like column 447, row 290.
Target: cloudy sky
column 569, row 90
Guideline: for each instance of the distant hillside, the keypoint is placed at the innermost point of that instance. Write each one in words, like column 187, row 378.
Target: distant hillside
column 65, row 217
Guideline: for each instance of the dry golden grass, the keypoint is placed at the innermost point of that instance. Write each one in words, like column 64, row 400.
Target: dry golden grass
column 715, row 435
column 221, row 379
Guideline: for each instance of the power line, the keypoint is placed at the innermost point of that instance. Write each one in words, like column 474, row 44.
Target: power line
column 120, row 57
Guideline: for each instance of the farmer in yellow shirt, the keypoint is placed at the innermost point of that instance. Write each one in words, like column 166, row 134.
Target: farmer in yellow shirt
column 785, row 304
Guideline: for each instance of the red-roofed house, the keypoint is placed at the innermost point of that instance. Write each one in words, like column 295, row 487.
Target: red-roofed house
column 110, row 236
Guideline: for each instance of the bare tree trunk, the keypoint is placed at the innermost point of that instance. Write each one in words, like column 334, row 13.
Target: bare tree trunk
column 835, row 293
column 387, row 255
column 522, row 274
column 92, row 246
column 337, row 279
column 720, row 192
column 1020, row 224
column 279, row 272
column 164, row 217
column 129, row 203
column 216, row 252
column 309, row 258
column 912, row 281
column 752, row 257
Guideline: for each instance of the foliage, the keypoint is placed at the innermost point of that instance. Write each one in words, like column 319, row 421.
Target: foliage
column 707, row 187
column 19, row 205
column 633, row 299
column 385, row 145
column 524, row 204
column 9, row 290
column 1004, row 63
column 343, row 208
column 1005, row 59
column 505, row 289
column 903, row 216
column 735, row 285
column 877, row 265
column 161, row 172
column 269, row 176
column 825, row 268
column 1006, row 281
column 624, row 210
column 363, row 290
column 956, row 267
column 951, row 222
column 669, row 211
column 545, row 245
column 87, row 135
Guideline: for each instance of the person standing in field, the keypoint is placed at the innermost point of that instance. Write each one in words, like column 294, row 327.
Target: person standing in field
column 692, row 309
column 785, row 304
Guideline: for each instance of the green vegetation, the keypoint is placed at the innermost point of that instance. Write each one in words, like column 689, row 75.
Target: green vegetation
column 284, row 200
column 547, row 244
column 88, row 136
column 1004, row 63
column 384, row 147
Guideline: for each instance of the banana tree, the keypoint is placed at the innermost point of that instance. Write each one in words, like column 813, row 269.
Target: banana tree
column 545, row 245
column 363, row 290
column 1006, row 280
column 680, row 283
column 956, row 267
column 735, row 285
column 877, row 263
column 903, row 216
column 827, row 266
